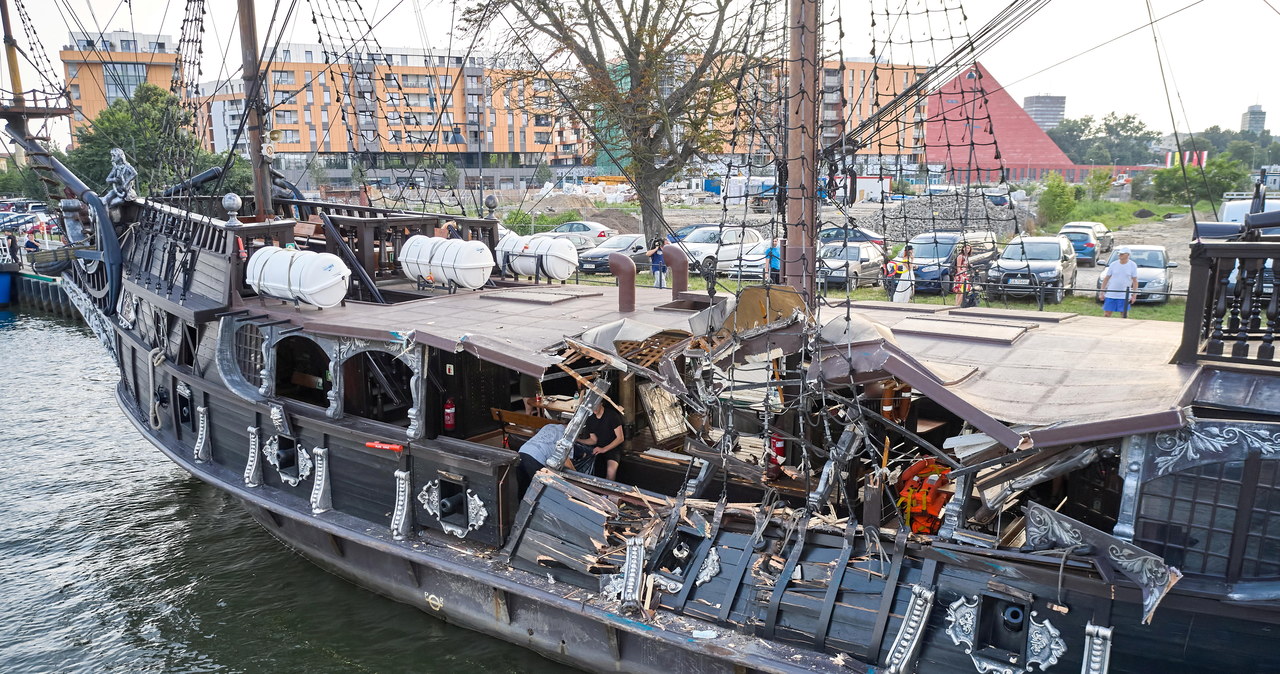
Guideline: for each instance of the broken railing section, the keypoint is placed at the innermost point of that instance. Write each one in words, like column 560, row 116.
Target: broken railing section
column 1049, row 529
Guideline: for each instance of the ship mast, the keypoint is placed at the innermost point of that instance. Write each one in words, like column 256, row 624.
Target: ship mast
column 253, row 109
column 799, row 264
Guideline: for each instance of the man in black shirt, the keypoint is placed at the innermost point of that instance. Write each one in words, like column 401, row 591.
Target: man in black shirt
column 603, row 434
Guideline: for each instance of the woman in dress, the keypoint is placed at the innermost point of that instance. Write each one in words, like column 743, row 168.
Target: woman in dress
column 962, row 284
column 905, row 289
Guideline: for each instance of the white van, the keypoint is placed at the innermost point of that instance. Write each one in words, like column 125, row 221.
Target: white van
column 1234, row 211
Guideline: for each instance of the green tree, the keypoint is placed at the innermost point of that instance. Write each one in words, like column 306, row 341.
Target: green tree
column 1071, row 135
column 1056, row 201
column 542, row 174
column 1244, row 152
column 1097, row 184
column 152, row 128
column 1220, row 174
column 452, row 176
column 1273, row 153
column 1097, row 154
column 1123, row 138
column 901, row 187
column 657, row 76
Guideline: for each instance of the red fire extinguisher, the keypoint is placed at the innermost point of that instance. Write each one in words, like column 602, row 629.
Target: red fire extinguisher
column 450, row 415
column 777, row 455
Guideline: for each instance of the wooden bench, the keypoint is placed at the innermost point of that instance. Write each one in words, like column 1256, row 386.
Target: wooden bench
column 518, row 423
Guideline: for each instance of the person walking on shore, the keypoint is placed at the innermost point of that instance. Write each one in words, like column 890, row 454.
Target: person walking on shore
column 1119, row 287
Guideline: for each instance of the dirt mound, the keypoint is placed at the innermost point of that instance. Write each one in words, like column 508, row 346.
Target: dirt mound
column 1143, row 213
column 902, row 220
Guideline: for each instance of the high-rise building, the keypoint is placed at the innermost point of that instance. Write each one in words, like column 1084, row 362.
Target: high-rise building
column 102, row 68
column 1254, row 120
column 1046, row 111
column 401, row 116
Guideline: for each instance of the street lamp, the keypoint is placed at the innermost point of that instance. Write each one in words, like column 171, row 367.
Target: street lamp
column 457, row 139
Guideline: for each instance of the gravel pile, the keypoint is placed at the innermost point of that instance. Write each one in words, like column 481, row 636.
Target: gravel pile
column 902, row 220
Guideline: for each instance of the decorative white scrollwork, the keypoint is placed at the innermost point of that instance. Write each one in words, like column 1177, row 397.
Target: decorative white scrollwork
column 1097, row 649
column 320, row 500
column 429, row 497
column 962, row 621
column 667, row 585
column 476, row 512
column 1044, row 643
column 201, row 451
column 271, row 451
column 903, row 651
column 253, row 465
column 400, row 516
column 1151, row 573
column 1043, row 529
column 710, row 567
column 1187, row 446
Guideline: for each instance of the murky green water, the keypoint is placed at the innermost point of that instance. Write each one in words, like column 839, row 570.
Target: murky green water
column 114, row 560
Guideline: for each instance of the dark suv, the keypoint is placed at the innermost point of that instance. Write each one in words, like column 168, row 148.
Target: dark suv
column 934, row 255
column 1034, row 264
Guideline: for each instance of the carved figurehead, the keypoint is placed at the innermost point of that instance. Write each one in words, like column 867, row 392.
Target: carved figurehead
column 120, row 179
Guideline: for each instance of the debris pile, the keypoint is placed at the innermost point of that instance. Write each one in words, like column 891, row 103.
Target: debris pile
column 902, row 220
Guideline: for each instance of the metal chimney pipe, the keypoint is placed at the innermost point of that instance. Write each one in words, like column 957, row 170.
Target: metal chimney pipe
column 624, row 268
column 678, row 269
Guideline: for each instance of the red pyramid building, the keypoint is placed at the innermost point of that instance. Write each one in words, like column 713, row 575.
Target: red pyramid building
column 975, row 128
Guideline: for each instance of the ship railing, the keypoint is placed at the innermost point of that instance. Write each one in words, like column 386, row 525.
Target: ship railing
column 1233, row 303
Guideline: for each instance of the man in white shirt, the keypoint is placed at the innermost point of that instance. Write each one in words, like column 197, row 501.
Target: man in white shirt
column 1119, row 284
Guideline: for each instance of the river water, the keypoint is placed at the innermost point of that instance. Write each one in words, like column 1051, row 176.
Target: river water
column 114, row 560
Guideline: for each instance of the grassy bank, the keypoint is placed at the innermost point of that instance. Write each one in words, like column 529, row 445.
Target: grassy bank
column 1117, row 214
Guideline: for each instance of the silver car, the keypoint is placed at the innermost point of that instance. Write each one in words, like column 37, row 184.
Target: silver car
column 850, row 264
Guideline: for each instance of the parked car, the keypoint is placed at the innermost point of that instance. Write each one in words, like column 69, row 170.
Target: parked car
column 750, row 263
column 706, row 245
column 582, row 241
column 596, row 260
column 934, row 254
column 1154, row 280
column 582, row 227
column 1034, row 264
column 678, row 235
column 851, row 234
column 1105, row 238
column 1085, row 245
column 850, row 264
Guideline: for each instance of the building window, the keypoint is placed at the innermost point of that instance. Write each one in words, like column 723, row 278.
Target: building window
column 282, row 77
column 309, row 57
column 311, row 98
column 128, row 45
column 155, row 47
column 542, row 120
column 446, row 82
column 85, row 45
column 1188, row 517
column 306, row 114
column 474, row 100
column 122, row 79
column 327, row 98
column 446, row 101
column 286, row 117
column 473, row 80
column 542, row 137
column 291, row 136
column 311, row 134
column 75, row 92
column 77, row 115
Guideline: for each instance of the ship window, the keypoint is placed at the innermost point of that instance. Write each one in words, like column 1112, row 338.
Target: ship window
column 302, row 371
column 249, row 354
column 1187, row 518
column 375, row 385
column 1262, row 538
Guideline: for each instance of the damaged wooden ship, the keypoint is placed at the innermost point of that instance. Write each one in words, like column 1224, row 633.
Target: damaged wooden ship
column 865, row 487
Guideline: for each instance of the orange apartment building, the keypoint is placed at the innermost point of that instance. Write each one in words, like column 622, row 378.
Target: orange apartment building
column 101, row 68
column 399, row 117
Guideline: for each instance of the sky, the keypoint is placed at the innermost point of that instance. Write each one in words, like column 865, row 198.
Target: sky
column 1212, row 50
